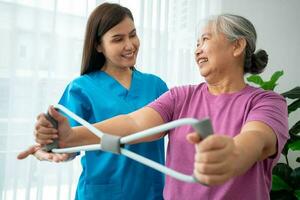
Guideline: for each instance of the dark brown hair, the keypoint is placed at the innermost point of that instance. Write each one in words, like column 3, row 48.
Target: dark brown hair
column 102, row 19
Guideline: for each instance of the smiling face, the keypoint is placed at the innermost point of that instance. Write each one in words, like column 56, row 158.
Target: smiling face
column 120, row 45
column 214, row 54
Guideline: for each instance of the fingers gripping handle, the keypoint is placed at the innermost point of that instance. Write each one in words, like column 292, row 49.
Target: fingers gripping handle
column 204, row 128
column 54, row 123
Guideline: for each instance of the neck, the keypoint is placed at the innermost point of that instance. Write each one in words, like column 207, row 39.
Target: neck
column 121, row 74
column 226, row 86
column 117, row 72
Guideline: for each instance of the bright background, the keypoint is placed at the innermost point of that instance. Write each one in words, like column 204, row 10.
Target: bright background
column 40, row 52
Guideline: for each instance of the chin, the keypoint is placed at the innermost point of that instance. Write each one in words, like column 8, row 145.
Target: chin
column 128, row 66
column 129, row 62
column 203, row 73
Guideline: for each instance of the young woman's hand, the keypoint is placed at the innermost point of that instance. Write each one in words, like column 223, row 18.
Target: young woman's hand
column 36, row 151
column 216, row 158
column 45, row 133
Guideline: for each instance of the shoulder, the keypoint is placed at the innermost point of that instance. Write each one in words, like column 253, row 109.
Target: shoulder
column 188, row 90
column 267, row 106
column 150, row 82
column 148, row 77
column 76, row 94
column 260, row 95
column 82, row 81
column 77, row 86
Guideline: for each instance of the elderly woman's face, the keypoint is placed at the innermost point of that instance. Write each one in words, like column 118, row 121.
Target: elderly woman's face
column 213, row 53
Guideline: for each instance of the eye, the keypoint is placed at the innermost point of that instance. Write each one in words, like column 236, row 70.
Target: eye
column 117, row 39
column 133, row 34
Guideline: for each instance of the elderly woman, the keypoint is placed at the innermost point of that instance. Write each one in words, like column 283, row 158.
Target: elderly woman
column 250, row 124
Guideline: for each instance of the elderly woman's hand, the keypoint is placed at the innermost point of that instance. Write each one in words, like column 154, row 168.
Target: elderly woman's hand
column 216, row 158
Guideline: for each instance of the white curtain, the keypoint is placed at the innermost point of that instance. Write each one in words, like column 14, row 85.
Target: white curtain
column 41, row 45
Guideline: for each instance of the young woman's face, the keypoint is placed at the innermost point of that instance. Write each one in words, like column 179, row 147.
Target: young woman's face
column 213, row 54
column 120, row 45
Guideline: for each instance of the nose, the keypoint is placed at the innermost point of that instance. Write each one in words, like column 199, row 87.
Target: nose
column 129, row 44
column 198, row 50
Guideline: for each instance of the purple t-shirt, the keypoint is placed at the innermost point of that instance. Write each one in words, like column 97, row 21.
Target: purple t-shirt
column 229, row 113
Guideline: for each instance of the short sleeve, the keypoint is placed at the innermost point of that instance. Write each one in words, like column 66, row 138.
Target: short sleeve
column 271, row 109
column 76, row 101
column 164, row 105
column 162, row 87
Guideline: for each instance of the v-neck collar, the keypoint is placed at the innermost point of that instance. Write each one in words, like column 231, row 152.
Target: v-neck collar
column 103, row 79
column 117, row 82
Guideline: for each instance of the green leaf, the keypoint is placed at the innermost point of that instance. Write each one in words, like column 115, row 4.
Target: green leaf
column 297, row 194
column 282, row 195
column 294, row 106
column 268, row 86
column 255, row 79
column 286, row 148
column 276, row 76
column 295, row 178
column 272, row 83
column 279, row 184
column 292, row 143
column 295, row 145
column 293, row 93
column 294, row 137
column 295, row 129
column 283, row 171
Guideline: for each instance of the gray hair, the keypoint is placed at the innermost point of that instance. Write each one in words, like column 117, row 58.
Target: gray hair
column 235, row 27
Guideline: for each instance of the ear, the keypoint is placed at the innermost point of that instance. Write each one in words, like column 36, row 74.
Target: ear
column 99, row 48
column 239, row 46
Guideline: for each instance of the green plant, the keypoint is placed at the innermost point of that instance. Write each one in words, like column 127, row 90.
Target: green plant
column 285, row 178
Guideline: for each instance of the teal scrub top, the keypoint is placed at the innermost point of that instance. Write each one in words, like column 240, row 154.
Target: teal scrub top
column 98, row 96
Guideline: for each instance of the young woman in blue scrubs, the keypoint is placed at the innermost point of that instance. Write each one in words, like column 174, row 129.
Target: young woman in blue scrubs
column 109, row 85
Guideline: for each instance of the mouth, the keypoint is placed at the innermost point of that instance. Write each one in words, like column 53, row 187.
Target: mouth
column 128, row 55
column 201, row 60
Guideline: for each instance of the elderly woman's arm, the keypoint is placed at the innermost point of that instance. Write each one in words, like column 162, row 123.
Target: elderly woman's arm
column 220, row 157
column 121, row 125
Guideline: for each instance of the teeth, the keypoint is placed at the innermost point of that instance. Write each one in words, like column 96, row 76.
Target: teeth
column 202, row 60
column 128, row 55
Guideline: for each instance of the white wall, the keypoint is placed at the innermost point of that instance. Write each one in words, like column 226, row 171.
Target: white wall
column 278, row 27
